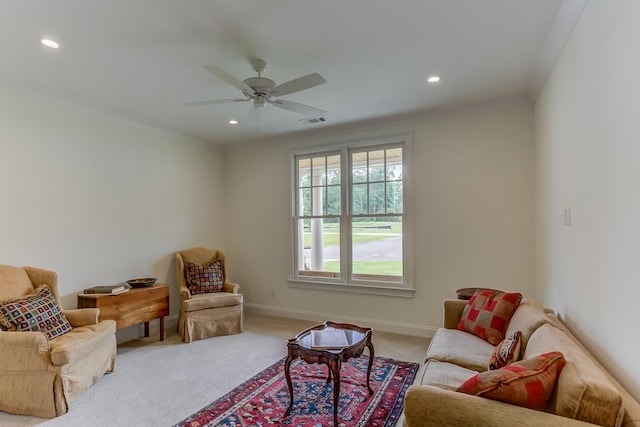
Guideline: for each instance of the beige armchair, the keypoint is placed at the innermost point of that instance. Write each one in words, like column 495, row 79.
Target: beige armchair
column 209, row 314
column 41, row 376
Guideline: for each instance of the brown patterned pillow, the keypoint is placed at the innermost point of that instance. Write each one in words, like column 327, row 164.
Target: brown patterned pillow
column 487, row 314
column 204, row 280
column 507, row 352
column 527, row 383
column 38, row 312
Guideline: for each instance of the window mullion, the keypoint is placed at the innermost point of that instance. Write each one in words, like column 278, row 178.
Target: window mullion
column 384, row 180
column 345, row 218
column 368, row 181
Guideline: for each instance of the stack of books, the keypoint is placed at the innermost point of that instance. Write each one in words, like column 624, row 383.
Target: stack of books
column 329, row 339
column 107, row 289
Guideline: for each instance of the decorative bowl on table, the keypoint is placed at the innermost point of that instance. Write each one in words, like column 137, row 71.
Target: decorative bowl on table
column 142, row 282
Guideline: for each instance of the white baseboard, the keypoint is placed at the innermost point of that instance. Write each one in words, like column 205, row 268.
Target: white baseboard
column 135, row 332
column 314, row 316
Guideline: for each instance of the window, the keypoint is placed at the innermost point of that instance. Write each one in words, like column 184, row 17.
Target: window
column 350, row 220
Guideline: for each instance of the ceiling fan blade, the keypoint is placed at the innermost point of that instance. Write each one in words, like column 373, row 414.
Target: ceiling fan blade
column 214, row 101
column 303, row 109
column 296, row 85
column 223, row 75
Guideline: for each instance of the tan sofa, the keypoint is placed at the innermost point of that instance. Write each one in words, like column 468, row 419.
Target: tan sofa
column 584, row 394
column 41, row 377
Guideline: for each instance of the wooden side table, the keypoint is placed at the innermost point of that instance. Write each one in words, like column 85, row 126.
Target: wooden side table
column 130, row 308
column 467, row 293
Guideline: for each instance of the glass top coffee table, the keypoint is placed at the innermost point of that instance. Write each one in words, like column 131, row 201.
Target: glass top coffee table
column 330, row 344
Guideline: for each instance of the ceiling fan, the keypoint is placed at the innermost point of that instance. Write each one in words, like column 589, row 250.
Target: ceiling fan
column 262, row 91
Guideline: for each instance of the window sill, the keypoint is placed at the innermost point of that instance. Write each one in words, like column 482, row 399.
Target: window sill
column 390, row 291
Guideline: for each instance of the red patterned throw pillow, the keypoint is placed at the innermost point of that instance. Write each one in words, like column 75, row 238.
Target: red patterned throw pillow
column 507, row 352
column 527, row 383
column 488, row 313
column 204, row 280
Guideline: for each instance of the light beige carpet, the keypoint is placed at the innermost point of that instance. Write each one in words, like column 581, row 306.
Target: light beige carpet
column 157, row 383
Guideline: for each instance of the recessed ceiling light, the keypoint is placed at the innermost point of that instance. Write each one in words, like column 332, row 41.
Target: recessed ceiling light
column 233, row 122
column 50, row 43
column 432, row 80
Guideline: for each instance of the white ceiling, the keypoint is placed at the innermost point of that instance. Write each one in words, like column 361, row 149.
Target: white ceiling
column 140, row 60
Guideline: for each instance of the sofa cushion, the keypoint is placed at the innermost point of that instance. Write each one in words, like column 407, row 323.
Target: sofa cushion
column 527, row 318
column 38, row 312
column 81, row 341
column 507, row 352
column 583, row 391
column 213, row 300
column 488, row 313
column 205, row 279
column 445, row 375
column 527, row 383
column 460, row 348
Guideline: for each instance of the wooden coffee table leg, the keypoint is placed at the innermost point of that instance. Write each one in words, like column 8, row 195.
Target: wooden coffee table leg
column 161, row 328
column 371, row 354
column 287, row 375
column 146, row 329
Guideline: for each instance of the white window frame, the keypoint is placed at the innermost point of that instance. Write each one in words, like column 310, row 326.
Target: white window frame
column 344, row 284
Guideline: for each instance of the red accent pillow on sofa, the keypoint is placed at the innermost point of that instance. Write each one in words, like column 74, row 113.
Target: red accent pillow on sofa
column 527, row 383
column 507, row 352
column 488, row 313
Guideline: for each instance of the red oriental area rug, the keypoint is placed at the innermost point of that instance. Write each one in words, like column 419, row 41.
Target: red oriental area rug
column 262, row 400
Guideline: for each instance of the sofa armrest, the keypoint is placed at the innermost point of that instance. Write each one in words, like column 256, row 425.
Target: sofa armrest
column 82, row 316
column 232, row 288
column 185, row 294
column 33, row 340
column 453, row 309
column 432, row 406
column 24, row 351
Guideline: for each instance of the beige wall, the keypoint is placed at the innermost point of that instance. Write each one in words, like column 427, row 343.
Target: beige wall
column 100, row 201
column 473, row 198
column 587, row 154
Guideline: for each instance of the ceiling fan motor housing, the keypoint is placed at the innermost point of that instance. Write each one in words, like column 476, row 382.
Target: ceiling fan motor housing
column 260, row 85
